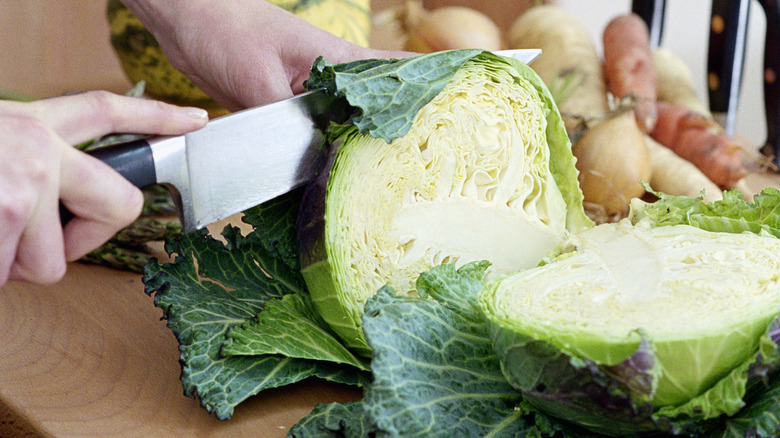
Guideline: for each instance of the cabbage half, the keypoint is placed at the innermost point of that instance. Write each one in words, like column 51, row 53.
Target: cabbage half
column 630, row 325
column 484, row 172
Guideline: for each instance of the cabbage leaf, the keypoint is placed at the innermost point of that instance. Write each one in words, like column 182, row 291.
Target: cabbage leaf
column 389, row 93
column 434, row 371
column 212, row 287
column 732, row 214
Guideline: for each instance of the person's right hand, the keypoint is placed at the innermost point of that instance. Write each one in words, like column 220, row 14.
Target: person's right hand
column 39, row 167
column 243, row 53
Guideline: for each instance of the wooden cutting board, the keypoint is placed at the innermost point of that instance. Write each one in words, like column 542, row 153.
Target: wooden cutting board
column 90, row 356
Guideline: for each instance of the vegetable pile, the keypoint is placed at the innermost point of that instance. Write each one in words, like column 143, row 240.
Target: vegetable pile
column 654, row 85
column 444, row 263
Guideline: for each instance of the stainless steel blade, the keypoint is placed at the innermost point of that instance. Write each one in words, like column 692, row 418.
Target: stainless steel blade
column 242, row 160
column 525, row 56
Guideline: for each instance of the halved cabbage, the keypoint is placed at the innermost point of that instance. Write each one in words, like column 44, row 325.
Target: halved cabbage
column 661, row 315
column 484, row 173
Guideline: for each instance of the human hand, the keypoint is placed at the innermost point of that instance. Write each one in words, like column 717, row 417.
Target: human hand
column 39, row 168
column 243, row 53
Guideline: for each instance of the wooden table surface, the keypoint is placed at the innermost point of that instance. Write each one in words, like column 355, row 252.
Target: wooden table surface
column 90, row 356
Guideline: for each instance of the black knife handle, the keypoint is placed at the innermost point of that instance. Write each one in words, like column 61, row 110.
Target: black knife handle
column 133, row 160
column 652, row 12
column 726, row 55
column 771, row 76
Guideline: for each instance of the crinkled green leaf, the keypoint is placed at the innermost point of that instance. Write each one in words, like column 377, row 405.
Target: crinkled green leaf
column 731, row 214
column 755, row 388
column 274, row 225
column 435, row 373
column 291, row 327
column 456, row 288
column 334, row 420
column 212, row 286
column 389, row 93
column 760, row 418
column 725, row 396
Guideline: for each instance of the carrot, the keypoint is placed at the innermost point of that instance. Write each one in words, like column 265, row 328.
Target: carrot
column 569, row 64
column 628, row 66
column 701, row 141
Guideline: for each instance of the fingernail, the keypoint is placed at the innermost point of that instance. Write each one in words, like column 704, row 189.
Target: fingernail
column 197, row 113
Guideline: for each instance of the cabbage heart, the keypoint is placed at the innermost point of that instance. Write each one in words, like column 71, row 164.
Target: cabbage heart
column 701, row 300
column 471, row 180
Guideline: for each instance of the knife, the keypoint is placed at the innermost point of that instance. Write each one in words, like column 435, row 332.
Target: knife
column 726, row 55
column 772, row 78
column 239, row 160
column 652, row 12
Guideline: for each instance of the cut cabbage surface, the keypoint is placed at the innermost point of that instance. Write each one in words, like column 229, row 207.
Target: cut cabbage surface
column 471, row 180
column 703, row 298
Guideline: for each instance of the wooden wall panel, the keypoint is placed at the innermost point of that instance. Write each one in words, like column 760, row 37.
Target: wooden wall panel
column 52, row 47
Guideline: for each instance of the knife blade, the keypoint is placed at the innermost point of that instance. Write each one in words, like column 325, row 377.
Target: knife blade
column 726, row 55
column 239, row 160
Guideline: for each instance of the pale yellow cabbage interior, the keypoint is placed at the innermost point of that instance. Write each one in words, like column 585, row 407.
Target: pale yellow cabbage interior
column 470, row 181
column 702, row 298
column 671, row 281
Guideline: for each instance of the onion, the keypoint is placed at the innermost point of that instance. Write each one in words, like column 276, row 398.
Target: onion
column 613, row 160
column 449, row 27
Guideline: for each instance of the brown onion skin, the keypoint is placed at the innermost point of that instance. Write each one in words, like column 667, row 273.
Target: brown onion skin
column 613, row 161
column 453, row 27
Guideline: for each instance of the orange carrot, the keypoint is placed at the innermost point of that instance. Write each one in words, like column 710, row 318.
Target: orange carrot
column 628, row 66
column 701, row 141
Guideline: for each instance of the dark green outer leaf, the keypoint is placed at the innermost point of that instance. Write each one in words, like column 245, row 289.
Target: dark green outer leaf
column 274, row 225
column 435, row 372
column 334, row 420
column 231, row 285
column 388, row 94
column 603, row 399
column 290, row 327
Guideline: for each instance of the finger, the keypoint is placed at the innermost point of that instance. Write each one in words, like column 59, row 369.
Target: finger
column 31, row 245
column 81, row 117
column 40, row 255
column 16, row 206
column 101, row 200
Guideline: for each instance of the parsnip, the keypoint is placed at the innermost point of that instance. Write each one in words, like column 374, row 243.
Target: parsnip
column 675, row 82
column 569, row 64
column 674, row 175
